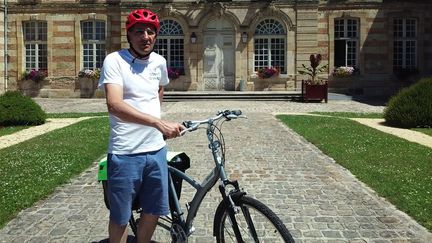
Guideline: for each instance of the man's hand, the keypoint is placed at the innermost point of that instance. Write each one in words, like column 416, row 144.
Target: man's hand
column 170, row 129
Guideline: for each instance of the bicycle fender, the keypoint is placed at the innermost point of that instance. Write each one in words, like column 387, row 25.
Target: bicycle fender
column 236, row 196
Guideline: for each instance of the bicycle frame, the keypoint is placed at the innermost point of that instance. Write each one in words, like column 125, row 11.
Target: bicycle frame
column 192, row 206
column 218, row 172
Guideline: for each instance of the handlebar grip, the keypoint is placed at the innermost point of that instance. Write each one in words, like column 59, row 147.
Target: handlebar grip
column 236, row 112
column 230, row 112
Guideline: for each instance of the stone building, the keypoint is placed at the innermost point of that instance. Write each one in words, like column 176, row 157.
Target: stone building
column 220, row 45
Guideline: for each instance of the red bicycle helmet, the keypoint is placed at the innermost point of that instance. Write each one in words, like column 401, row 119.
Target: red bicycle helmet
column 142, row 16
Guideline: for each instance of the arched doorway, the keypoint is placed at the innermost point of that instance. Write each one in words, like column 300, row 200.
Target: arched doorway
column 219, row 60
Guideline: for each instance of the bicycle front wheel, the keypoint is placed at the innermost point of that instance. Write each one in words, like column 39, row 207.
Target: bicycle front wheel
column 256, row 223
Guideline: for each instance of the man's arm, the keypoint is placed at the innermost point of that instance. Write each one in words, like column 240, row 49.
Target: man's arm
column 161, row 94
column 124, row 111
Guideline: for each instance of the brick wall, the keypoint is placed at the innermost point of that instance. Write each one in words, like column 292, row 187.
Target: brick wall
column 2, row 52
column 309, row 26
column 64, row 47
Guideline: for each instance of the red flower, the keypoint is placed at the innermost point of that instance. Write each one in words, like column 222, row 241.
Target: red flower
column 173, row 73
column 267, row 72
column 36, row 75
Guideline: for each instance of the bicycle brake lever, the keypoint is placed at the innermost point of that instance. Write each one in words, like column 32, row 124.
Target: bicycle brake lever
column 189, row 127
column 187, row 124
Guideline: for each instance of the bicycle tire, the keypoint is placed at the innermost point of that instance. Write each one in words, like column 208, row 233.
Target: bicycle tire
column 268, row 226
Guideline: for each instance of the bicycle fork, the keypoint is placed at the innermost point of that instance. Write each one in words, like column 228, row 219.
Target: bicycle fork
column 233, row 209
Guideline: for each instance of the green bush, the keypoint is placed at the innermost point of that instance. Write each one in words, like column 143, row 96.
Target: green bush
column 412, row 106
column 17, row 109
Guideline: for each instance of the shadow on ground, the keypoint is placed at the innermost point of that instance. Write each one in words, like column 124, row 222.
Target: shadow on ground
column 130, row 239
column 374, row 101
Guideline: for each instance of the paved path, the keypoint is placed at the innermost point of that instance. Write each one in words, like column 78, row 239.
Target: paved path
column 51, row 124
column 318, row 200
column 413, row 136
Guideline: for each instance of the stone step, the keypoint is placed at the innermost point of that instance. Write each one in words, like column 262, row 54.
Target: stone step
column 232, row 95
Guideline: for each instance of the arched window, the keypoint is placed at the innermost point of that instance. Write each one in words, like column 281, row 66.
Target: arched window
column 170, row 44
column 93, row 41
column 35, row 42
column 270, row 45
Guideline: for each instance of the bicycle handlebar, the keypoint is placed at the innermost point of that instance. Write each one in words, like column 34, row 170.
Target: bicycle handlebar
column 227, row 114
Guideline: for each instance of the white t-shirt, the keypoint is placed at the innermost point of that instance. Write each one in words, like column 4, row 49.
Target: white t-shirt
column 140, row 81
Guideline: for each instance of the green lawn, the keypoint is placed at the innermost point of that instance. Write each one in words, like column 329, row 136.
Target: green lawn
column 350, row 114
column 13, row 129
column 427, row 131
column 396, row 169
column 9, row 130
column 31, row 170
column 75, row 115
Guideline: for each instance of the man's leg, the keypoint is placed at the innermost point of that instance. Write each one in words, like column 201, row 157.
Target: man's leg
column 122, row 169
column 146, row 227
column 153, row 194
column 117, row 233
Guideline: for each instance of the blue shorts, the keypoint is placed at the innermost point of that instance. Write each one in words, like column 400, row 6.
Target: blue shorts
column 143, row 175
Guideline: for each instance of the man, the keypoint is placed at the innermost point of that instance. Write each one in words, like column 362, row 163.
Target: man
column 133, row 80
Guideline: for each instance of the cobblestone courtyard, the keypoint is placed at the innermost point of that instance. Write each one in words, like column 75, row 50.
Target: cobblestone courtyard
column 317, row 199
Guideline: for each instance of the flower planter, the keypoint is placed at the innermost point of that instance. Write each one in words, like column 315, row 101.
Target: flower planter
column 316, row 92
column 30, row 87
column 87, row 87
column 275, row 83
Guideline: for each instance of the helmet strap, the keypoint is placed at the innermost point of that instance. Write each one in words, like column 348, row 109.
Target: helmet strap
column 137, row 54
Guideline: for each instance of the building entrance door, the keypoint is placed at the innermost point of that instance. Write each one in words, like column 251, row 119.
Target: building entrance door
column 218, row 56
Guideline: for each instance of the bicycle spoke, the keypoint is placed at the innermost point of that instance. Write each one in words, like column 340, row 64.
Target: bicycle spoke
column 250, row 223
column 236, row 226
column 256, row 224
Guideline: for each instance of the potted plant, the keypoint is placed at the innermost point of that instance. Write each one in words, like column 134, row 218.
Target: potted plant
column 343, row 71
column 267, row 72
column 314, row 88
column 174, row 73
column 265, row 77
column 88, row 80
column 32, row 81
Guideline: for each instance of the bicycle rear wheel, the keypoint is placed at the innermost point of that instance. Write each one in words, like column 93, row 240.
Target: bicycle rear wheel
column 256, row 222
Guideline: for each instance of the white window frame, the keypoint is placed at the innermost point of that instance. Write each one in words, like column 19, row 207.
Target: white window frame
column 36, row 55
column 171, row 32
column 351, row 37
column 404, row 40
column 268, row 31
column 95, row 46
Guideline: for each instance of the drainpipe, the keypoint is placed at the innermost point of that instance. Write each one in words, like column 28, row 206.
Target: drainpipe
column 6, row 76
column 295, row 47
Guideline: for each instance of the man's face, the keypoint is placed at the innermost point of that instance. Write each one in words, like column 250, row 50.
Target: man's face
column 142, row 37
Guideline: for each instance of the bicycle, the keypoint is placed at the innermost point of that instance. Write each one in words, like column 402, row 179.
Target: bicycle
column 238, row 217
